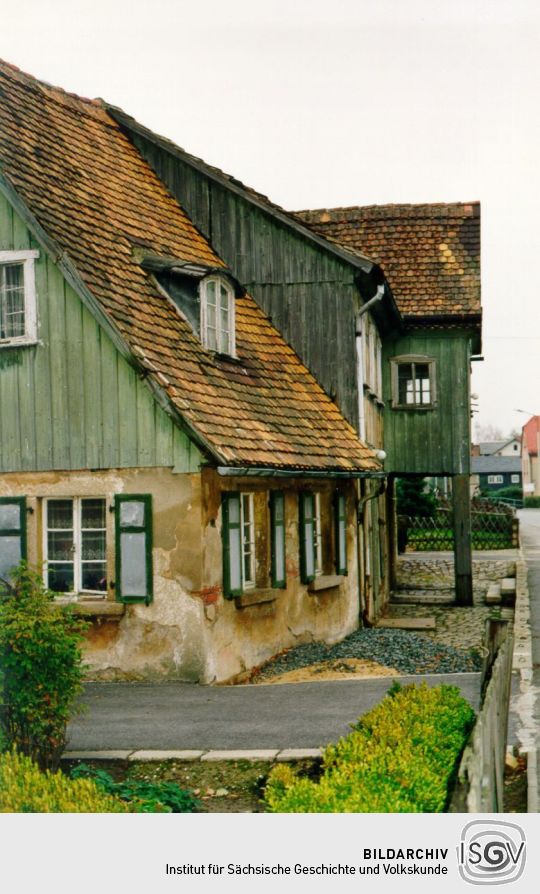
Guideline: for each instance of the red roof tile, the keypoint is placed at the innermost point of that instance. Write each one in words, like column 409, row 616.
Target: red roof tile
column 429, row 253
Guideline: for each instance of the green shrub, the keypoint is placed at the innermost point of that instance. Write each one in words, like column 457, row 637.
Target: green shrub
column 144, row 797
column 531, row 502
column 415, row 498
column 400, row 758
column 40, row 656
column 512, row 492
column 24, row 788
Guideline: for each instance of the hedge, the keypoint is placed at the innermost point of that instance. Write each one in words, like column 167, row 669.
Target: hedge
column 24, row 788
column 401, row 757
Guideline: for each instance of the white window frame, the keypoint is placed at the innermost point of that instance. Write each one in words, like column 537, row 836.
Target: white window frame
column 77, row 542
column 414, row 360
column 26, row 259
column 495, row 479
column 220, row 281
column 248, row 543
column 317, row 534
column 514, row 478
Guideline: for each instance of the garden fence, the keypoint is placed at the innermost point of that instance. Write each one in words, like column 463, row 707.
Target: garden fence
column 490, row 530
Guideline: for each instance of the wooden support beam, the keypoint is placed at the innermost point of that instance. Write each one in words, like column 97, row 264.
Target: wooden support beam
column 462, row 540
column 391, row 531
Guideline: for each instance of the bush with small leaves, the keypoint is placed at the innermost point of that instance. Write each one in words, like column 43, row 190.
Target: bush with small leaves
column 24, row 788
column 40, row 656
column 400, row 758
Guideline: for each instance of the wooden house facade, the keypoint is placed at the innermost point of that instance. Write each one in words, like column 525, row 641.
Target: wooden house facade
column 166, row 459
column 431, row 257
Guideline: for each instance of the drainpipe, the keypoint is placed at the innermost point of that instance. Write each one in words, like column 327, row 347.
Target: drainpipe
column 378, row 296
column 363, row 499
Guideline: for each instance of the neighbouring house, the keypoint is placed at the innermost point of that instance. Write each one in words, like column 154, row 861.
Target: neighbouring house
column 493, row 472
column 530, row 440
column 166, row 458
column 510, row 447
column 431, row 258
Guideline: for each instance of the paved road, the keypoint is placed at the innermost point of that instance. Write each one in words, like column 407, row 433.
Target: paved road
column 172, row 716
column 529, row 524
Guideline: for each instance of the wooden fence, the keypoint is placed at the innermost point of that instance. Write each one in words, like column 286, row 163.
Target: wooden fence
column 489, row 530
column 480, row 778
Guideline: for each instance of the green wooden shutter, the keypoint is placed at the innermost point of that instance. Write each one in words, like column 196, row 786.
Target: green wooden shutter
column 340, row 533
column 12, row 533
column 133, row 528
column 307, row 536
column 232, row 545
column 277, row 539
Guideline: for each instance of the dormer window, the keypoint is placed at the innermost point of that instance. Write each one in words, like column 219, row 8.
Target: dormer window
column 217, row 315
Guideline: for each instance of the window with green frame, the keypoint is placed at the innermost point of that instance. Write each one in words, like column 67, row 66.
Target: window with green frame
column 239, row 559
column 133, row 530
column 307, row 534
column 277, row 539
column 12, row 534
column 340, row 528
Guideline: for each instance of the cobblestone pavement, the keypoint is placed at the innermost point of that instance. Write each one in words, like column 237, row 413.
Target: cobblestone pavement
column 425, row 573
column 456, row 626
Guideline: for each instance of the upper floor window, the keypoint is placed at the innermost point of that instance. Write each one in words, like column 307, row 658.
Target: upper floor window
column 413, row 382
column 17, row 297
column 217, row 315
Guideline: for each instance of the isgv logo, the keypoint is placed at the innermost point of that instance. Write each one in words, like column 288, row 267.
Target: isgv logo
column 491, row 852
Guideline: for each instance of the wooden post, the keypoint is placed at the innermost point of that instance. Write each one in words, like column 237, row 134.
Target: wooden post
column 462, row 540
column 391, row 531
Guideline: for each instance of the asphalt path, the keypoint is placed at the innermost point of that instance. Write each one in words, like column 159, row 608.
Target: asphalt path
column 173, row 716
column 529, row 528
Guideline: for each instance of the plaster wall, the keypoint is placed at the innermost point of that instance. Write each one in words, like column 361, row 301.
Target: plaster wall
column 190, row 631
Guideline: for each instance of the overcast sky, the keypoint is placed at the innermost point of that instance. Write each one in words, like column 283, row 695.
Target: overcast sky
column 321, row 104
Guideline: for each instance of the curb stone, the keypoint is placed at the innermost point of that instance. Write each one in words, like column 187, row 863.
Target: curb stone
column 285, row 754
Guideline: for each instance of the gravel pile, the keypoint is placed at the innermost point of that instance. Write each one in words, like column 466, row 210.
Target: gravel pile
column 409, row 653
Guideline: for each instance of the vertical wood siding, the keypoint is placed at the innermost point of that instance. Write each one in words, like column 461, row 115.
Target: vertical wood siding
column 431, row 442
column 309, row 294
column 72, row 401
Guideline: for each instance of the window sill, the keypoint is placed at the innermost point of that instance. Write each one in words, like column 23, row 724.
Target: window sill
column 256, row 597
column 411, row 407
column 99, row 608
column 19, row 343
column 325, row 582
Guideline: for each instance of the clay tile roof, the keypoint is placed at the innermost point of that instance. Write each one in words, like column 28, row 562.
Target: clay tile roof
column 429, row 253
column 93, row 194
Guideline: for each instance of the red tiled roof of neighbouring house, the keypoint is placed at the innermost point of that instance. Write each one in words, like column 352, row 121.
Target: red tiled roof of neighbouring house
column 91, row 192
column 430, row 253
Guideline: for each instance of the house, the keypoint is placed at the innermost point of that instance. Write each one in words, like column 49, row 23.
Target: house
column 493, row 472
column 509, row 447
column 530, row 452
column 383, row 306
column 333, row 305
column 166, row 457
column 431, row 258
